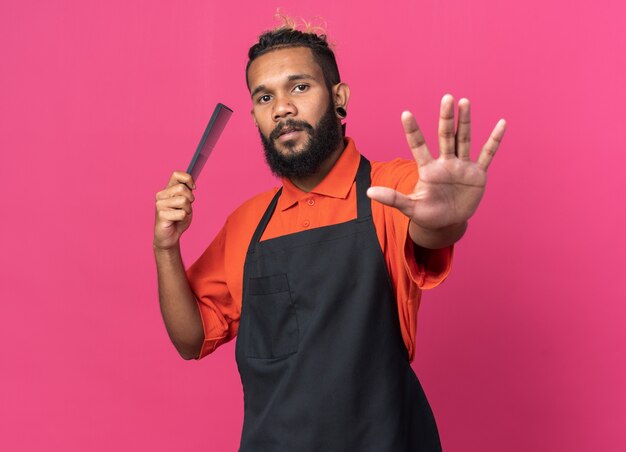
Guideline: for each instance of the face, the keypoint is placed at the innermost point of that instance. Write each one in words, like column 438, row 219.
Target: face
column 293, row 110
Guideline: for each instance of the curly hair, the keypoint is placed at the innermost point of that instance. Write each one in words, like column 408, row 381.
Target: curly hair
column 288, row 35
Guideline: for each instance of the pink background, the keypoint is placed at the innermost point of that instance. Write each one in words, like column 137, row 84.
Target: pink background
column 522, row 349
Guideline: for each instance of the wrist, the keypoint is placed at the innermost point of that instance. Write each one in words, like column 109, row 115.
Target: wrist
column 172, row 250
column 436, row 238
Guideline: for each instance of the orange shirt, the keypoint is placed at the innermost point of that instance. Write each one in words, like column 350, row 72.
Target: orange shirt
column 216, row 277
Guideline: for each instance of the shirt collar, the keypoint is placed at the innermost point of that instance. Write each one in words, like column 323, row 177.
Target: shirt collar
column 336, row 184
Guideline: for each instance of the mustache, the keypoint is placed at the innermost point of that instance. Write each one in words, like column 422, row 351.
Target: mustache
column 288, row 125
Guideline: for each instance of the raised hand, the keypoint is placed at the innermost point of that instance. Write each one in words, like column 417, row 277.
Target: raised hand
column 449, row 187
column 173, row 210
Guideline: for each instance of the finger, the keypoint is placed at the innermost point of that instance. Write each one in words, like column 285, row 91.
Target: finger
column 446, row 127
column 176, row 190
column 180, row 177
column 172, row 215
column 392, row 198
column 415, row 139
column 178, row 202
column 463, row 130
column 492, row 144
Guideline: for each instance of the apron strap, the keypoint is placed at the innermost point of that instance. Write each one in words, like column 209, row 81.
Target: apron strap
column 363, row 182
column 256, row 237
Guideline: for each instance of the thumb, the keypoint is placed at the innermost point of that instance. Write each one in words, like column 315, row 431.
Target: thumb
column 390, row 197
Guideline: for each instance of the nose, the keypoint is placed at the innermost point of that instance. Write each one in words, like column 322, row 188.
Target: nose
column 283, row 108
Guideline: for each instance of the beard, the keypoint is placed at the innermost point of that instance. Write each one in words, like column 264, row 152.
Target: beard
column 322, row 141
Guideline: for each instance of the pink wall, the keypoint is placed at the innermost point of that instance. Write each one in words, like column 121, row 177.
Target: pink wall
column 520, row 350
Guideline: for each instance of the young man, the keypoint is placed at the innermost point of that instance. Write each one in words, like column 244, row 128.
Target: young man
column 320, row 281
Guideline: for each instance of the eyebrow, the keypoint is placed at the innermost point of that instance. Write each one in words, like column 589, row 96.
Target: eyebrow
column 290, row 78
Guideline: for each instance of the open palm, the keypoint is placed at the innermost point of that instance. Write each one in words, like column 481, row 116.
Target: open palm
column 451, row 186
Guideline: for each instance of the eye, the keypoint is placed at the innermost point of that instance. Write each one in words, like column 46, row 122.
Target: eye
column 301, row 88
column 265, row 98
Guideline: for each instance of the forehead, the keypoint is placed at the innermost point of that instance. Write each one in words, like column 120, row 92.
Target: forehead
column 277, row 65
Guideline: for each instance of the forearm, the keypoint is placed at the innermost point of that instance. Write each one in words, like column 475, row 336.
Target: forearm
column 179, row 307
column 436, row 238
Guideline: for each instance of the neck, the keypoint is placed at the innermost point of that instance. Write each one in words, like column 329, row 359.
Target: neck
column 308, row 183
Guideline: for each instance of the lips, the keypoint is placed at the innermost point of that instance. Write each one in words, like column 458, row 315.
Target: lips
column 288, row 133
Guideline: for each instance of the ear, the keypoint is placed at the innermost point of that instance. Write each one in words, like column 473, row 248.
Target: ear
column 254, row 118
column 341, row 95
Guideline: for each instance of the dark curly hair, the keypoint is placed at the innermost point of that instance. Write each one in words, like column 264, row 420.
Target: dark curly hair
column 288, row 36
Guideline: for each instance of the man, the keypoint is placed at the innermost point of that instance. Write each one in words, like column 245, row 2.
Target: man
column 319, row 283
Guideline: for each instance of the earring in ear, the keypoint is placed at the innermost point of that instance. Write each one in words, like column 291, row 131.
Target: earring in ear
column 341, row 112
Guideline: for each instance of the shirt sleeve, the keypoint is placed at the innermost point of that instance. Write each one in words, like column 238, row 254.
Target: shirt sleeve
column 208, row 280
column 427, row 268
